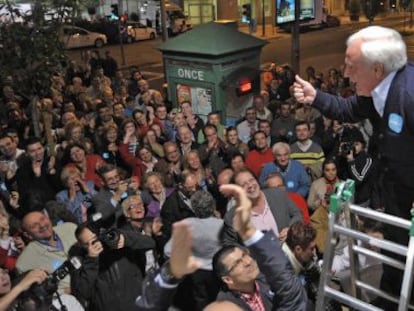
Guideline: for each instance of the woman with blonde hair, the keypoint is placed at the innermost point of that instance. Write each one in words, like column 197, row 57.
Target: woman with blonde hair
column 192, row 164
column 78, row 193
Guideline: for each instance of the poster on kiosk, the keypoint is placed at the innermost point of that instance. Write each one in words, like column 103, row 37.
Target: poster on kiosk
column 199, row 97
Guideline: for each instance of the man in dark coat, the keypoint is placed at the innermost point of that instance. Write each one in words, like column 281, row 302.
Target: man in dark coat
column 265, row 248
column 110, row 277
column 376, row 62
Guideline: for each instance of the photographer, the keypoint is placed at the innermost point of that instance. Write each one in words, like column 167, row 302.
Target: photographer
column 360, row 167
column 110, row 277
column 36, row 290
column 9, row 295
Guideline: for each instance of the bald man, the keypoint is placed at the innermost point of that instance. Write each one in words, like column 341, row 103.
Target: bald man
column 49, row 247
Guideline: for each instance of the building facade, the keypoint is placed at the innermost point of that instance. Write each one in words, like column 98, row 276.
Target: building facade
column 204, row 11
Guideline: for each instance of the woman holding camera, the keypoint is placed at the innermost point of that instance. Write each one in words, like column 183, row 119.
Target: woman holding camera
column 323, row 185
column 321, row 191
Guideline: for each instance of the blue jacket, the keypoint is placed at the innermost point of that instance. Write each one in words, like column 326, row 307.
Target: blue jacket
column 295, row 176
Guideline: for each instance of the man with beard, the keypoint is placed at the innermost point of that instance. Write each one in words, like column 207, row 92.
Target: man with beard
column 49, row 247
column 261, row 155
column 272, row 209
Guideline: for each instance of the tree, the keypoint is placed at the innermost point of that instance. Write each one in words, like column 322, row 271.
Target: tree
column 31, row 51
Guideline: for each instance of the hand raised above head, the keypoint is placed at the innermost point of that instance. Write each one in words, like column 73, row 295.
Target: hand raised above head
column 242, row 216
column 182, row 261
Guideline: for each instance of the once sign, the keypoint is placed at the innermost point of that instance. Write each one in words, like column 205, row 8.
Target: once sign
column 191, row 74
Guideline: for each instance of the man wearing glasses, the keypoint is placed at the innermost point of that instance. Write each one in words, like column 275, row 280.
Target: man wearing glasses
column 134, row 212
column 241, row 280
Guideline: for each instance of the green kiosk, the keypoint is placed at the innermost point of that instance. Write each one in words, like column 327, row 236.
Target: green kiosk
column 215, row 67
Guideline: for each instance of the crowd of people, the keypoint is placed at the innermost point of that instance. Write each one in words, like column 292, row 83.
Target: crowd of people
column 110, row 167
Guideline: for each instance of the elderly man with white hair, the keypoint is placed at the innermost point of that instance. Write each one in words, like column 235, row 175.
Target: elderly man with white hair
column 376, row 63
column 294, row 173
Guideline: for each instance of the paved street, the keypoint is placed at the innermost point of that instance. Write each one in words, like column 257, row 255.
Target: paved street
column 320, row 48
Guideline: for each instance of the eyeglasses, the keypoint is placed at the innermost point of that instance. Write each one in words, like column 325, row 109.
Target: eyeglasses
column 238, row 262
column 135, row 205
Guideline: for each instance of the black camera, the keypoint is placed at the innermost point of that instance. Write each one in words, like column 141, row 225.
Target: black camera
column 108, row 236
column 39, row 296
column 49, row 286
column 347, row 148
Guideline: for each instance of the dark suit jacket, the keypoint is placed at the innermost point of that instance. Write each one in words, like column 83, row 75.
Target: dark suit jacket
column 273, row 263
column 386, row 143
column 162, row 166
column 266, row 294
column 174, row 209
column 283, row 209
column 289, row 294
column 102, row 204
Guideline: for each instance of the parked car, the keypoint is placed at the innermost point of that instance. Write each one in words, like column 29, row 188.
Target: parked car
column 76, row 37
column 138, row 31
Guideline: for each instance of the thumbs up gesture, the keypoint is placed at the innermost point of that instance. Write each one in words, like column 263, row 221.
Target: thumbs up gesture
column 303, row 91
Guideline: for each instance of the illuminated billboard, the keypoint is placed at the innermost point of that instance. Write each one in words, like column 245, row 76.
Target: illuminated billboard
column 285, row 10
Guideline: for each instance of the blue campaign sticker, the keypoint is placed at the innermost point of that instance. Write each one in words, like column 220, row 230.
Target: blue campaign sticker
column 395, row 122
column 3, row 186
column 56, row 264
column 290, row 184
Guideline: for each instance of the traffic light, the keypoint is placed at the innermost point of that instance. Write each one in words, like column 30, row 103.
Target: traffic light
column 247, row 13
column 114, row 12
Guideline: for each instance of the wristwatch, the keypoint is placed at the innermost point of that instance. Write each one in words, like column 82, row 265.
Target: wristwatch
column 167, row 276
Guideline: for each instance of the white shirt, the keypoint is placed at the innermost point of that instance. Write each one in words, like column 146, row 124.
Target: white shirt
column 380, row 93
column 245, row 131
column 265, row 221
